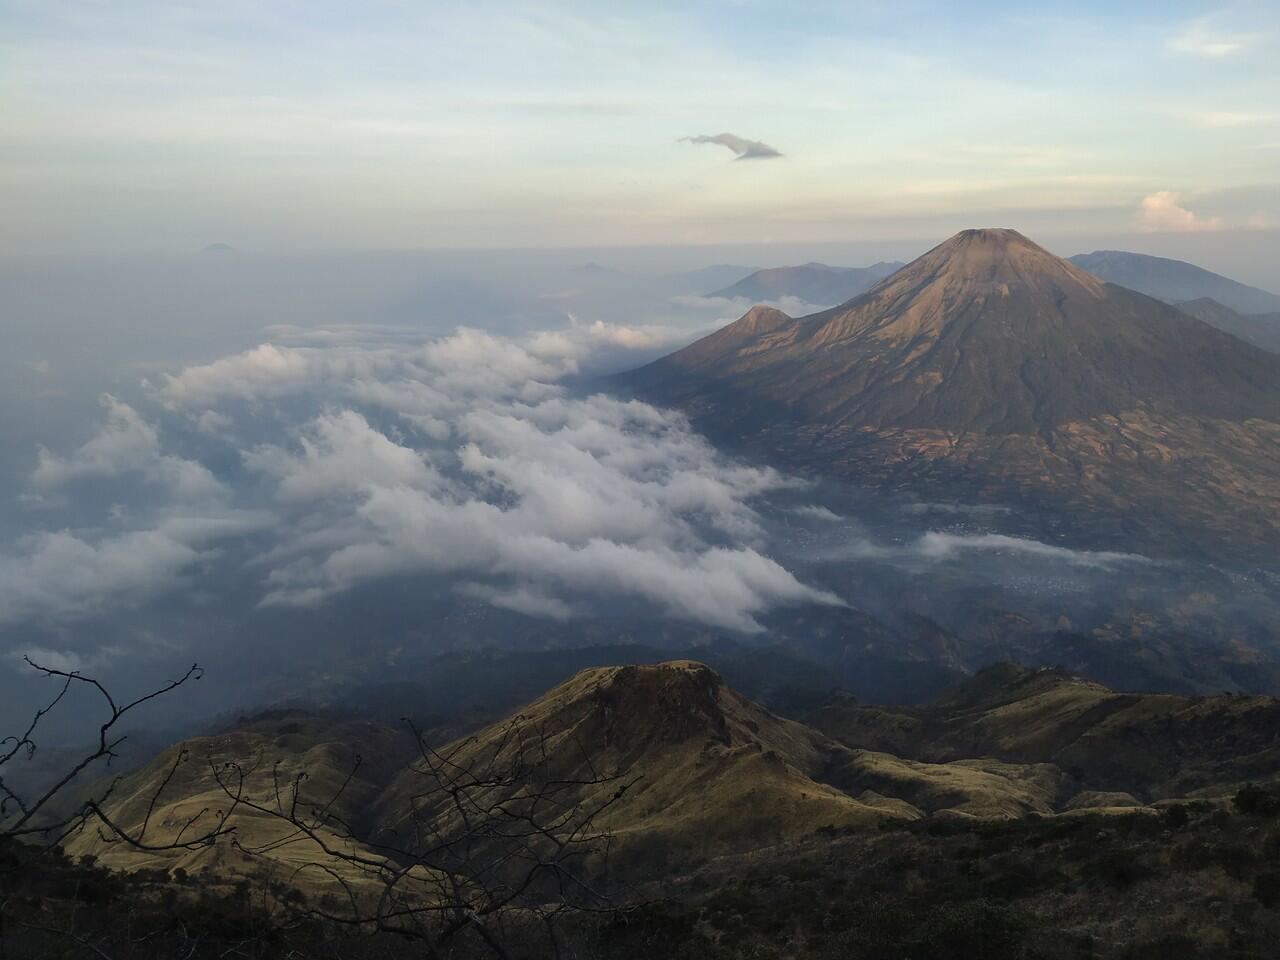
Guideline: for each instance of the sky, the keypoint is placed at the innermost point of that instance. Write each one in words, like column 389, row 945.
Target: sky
column 137, row 126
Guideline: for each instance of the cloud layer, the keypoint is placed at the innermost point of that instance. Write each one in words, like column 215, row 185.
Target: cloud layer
column 460, row 458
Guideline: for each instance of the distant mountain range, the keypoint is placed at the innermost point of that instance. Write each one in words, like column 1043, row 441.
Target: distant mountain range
column 990, row 370
column 814, row 283
column 1174, row 280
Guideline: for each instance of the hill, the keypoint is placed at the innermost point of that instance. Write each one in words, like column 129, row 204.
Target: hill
column 811, row 282
column 179, row 794
column 1140, row 748
column 1025, row 811
column 709, row 771
column 1174, row 280
column 682, row 768
column 989, row 370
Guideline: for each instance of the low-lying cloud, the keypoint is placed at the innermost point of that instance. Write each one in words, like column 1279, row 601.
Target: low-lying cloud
column 947, row 546
column 462, row 457
column 66, row 575
column 125, row 445
column 935, row 547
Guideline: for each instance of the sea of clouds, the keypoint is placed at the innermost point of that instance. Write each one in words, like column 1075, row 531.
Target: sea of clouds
column 344, row 456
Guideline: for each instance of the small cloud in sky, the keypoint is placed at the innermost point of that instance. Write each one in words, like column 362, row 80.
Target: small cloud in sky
column 1230, row 119
column 1199, row 39
column 744, row 148
column 1161, row 213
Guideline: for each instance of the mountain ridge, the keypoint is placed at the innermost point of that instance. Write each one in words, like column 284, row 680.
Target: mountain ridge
column 681, row 765
column 816, row 283
column 1173, row 280
column 1260, row 329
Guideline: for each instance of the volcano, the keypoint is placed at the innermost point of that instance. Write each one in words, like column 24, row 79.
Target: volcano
column 990, row 370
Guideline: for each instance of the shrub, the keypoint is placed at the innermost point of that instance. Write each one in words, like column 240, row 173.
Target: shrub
column 1118, row 868
column 1253, row 799
column 1266, row 888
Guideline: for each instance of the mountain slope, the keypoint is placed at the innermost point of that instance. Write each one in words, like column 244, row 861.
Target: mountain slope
column 991, row 370
column 811, row 282
column 1260, row 329
column 271, row 749
column 709, row 770
column 706, row 770
column 1174, row 280
column 1152, row 746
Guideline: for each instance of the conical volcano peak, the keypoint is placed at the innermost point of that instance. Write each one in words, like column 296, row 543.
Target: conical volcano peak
column 1004, row 257
column 995, row 276
column 993, row 245
column 992, row 237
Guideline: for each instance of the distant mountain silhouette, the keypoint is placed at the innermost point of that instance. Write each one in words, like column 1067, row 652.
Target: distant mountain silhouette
column 1174, row 280
column 814, row 283
column 992, row 370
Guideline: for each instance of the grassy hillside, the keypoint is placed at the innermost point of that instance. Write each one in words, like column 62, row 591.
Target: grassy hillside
column 1154, row 746
column 181, row 794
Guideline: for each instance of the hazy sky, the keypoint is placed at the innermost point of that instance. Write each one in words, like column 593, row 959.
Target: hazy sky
column 270, row 125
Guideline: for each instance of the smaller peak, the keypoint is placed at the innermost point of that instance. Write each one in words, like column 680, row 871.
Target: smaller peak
column 760, row 319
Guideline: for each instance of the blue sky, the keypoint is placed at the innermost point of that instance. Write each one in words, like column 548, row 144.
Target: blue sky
column 291, row 125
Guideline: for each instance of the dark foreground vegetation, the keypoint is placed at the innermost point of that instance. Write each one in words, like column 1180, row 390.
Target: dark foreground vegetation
column 1197, row 881
column 518, row 842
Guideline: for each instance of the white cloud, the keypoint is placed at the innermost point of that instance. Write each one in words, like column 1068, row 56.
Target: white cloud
column 936, row 547
column 540, row 500
column 1200, row 39
column 341, row 455
column 450, row 372
column 1161, row 213
column 63, row 575
column 461, row 457
column 554, row 501
column 67, row 660
column 520, row 599
column 126, row 444
column 816, row 512
column 947, row 546
column 1229, row 119
column 269, row 371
